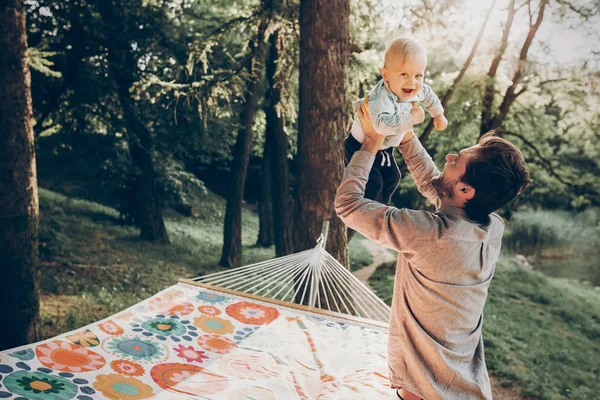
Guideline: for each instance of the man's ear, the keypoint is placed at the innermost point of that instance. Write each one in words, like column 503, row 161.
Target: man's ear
column 384, row 74
column 465, row 191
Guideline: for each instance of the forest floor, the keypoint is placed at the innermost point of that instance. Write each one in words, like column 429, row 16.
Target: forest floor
column 540, row 333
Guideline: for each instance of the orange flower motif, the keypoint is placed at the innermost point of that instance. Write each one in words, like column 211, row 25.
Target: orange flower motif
column 251, row 313
column 126, row 367
column 85, row 338
column 188, row 379
column 217, row 344
column 117, row 387
column 111, row 328
column 64, row 356
column 170, row 307
column 209, row 310
column 213, row 324
column 125, row 316
column 172, row 294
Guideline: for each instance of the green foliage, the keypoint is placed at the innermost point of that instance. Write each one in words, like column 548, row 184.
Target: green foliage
column 531, row 231
column 94, row 266
column 359, row 255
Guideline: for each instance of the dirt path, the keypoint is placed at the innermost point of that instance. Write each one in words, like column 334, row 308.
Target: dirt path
column 380, row 256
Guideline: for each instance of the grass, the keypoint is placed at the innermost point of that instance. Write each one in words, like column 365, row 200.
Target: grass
column 92, row 266
column 540, row 333
column 359, row 255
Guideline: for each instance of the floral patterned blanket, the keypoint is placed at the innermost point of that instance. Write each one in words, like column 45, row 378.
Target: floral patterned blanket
column 189, row 342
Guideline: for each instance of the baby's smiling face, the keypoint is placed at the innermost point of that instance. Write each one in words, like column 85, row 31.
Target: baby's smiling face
column 404, row 77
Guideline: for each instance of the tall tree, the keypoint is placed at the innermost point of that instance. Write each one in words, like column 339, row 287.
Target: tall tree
column 277, row 147
column 448, row 95
column 265, row 203
column 232, row 230
column 324, row 54
column 488, row 95
column 123, row 68
column 18, row 185
column 516, row 88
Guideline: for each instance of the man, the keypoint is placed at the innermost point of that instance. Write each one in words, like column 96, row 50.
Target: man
column 446, row 258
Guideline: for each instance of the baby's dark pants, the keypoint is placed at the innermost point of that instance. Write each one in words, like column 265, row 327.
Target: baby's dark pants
column 383, row 179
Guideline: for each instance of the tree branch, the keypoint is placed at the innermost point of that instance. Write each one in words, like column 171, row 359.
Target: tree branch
column 545, row 162
column 488, row 97
column 509, row 96
column 450, row 91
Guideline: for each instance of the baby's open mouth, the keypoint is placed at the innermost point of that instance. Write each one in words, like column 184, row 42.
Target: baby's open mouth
column 407, row 91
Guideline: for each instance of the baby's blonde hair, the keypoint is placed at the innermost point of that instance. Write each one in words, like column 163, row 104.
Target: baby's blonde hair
column 404, row 46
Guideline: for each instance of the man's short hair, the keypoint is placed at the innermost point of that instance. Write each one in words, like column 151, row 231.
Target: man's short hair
column 404, row 46
column 497, row 172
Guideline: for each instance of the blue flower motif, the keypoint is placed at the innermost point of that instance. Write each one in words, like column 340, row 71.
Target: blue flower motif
column 135, row 348
column 162, row 328
column 210, row 297
column 25, row 355
column 39, row 386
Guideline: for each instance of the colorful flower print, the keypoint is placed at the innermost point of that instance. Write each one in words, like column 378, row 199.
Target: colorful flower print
column 170, row 307
column 135, row 348
column 162, row 327
column 124, row 316
column 210, row 297
column 172, row 294
column 217, row 344
column 111, row 328
column 188, row 379
column 165, row 327
column 251, row 313
column 213, row 324
column 39, row 386
column 25, row 355
column 117, row 387
column 209, row 310
column 127, row 368
column 85, row 338
column 190, row 354
column 64, row 356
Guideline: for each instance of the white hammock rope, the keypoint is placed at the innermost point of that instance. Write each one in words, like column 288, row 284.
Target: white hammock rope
column 312, row 277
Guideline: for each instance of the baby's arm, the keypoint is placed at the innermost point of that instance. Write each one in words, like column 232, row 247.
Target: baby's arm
column 434, row 107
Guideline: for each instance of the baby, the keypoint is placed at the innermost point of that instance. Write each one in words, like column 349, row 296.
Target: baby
column 392, row 113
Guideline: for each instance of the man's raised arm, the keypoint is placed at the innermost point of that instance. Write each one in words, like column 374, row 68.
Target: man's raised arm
column 421, row 166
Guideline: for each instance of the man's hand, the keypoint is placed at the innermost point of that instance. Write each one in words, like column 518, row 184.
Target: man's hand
column 440, row 122
column 417, row 115
column 373, row 140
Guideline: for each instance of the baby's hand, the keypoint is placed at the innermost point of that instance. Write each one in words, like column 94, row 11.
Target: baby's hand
column 440, row 122
column 417, row 115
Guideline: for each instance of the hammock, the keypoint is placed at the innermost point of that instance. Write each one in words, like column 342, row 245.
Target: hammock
column 312, row 277
column 197, row 340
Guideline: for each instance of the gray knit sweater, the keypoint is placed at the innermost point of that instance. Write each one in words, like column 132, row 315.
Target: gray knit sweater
column 445, row 266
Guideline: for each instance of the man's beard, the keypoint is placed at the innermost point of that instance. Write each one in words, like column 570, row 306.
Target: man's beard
column 443, row 189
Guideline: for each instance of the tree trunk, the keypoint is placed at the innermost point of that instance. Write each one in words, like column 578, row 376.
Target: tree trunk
column 488, row 96
column 448, row 95
column 265, row 206
column 18, row 185
column 232, row 230
column 123, row 68
column 511, row 93
column 277, row 146
column 324, row 53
